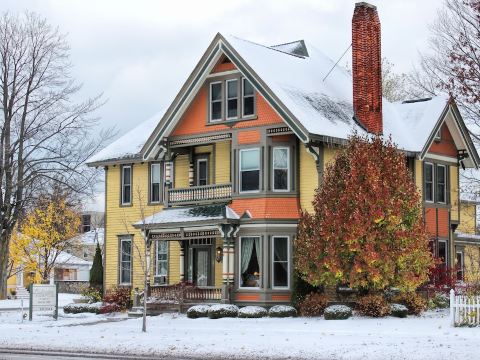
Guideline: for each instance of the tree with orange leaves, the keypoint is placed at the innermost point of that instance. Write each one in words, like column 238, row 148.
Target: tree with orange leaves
column 366, row 230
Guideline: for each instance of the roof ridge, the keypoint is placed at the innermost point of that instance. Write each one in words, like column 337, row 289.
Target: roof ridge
column 269, row 47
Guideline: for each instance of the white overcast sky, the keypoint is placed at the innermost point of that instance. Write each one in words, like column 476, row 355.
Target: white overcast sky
column 139, row 52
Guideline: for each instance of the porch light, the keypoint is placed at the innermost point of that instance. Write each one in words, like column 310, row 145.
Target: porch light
column 219, row 254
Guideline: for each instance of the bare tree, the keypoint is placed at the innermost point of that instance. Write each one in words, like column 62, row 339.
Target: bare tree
column 45, row 135
column 452, row 65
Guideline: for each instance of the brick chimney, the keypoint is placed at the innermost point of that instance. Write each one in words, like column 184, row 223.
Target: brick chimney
column 367, row 67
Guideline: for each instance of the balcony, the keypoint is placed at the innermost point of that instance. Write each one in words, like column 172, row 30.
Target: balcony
column 199, row 195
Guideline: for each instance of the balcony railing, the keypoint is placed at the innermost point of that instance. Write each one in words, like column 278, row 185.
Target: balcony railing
column 184, row 294
column 199, row 194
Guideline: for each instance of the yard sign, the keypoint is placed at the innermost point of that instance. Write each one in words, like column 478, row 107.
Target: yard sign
column 43, row 298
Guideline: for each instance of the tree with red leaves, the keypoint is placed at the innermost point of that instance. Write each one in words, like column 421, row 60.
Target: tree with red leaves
column 367, row 229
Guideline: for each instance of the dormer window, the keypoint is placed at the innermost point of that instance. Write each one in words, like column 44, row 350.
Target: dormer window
column 216, row 101
column 248, row 98
column 232, row 99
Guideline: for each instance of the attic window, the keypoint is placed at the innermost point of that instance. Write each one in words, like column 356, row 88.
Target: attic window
column 216, row 101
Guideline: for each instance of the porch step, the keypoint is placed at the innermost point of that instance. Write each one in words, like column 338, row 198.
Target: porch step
column 136, row 312
column 22, row 293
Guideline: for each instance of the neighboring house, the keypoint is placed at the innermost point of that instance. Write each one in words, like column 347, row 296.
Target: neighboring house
column 467, row 242
column 71, row 268
column 225, row 171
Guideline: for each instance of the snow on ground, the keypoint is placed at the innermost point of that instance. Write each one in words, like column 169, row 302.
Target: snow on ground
column 63, row 299
column 426, row 337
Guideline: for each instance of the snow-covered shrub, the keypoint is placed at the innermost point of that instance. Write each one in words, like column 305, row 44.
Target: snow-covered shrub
column 373, row 305
column 282, row 311
column 198, row 311
column 313, row 304
column 109, row 308
column 398, row 310
column 337, row 312
column 222, row 310
column 439, row 301
column 414, row 302
column 82, row 308
column 252, row 312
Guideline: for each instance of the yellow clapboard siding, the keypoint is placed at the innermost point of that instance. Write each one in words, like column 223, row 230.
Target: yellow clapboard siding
column 468, row 215
column 119, row 221
column 329, row 156
column 181, row 168
column 222, row 162
column 472, row 263
column 308, row 179
column 174, row 262
column 454, row 193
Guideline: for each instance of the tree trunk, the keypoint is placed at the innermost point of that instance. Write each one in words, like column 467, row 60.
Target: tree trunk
column 4, row 251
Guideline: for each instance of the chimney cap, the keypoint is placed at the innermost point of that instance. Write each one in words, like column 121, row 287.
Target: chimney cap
column 365, row 4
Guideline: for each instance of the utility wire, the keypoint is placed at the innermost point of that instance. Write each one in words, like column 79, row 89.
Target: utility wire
column 333, row 67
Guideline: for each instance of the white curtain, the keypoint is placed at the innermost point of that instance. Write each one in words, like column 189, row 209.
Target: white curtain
column 247, row 249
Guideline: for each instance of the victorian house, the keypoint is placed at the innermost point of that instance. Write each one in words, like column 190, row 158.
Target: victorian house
column 218, row 179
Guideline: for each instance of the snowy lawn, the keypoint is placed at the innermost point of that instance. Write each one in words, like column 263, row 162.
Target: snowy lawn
column 426, row 337
column 63, row 299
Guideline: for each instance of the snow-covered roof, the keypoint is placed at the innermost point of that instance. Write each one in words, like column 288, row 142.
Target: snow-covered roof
column 91, row 237
column 66, row 259
column 189, row 215
column 467, row 237
column 129, row 145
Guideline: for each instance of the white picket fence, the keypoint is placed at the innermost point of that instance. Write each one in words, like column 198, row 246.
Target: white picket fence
column 464, row 310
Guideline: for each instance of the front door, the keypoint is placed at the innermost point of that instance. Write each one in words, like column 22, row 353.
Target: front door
column 199, row 265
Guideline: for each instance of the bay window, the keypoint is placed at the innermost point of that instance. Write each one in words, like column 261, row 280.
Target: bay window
column 281, row 168
column 216, row 101
column 125, row 260
column 126, row 193
column 428, row 175
column 155, row 183
column 441, row 183
column 280, row 262
column 250, row 262
column 250, row 170
column 232, row 99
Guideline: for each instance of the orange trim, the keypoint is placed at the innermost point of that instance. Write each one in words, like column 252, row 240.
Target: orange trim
column 249, row 137
column 443, row 225
column 281, row 297
column 268, row 208
column 244, row 297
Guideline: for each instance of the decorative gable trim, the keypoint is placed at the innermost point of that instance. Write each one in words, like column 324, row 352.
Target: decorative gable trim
column 217, row 48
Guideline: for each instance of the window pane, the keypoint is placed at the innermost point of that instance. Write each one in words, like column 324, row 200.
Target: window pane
column 202, row 173
column 280, row 274
column 216, row 110
column 442, row 251
column 126, row 250
column 155, row 173
column 232, row 108
column 247, row 87
column 248, row 106
column 280, row 179
column 216, row 91
column 155, row 192
column 429, row 191
column 249, row 262
column 280, row 158
column 428, row 172
column 280, row 249
column 232, row 89
column 126, row 175
column 250, row 180
column 441, row 184
column 126, row 194
column 250, row 159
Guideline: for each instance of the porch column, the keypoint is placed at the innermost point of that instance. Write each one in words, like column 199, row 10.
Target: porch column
column 182, row 261
column 228, row 269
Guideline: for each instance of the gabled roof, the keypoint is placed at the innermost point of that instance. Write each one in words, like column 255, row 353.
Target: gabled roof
column 310, row 93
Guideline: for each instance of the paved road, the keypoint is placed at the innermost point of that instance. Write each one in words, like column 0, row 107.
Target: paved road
column 46, row 355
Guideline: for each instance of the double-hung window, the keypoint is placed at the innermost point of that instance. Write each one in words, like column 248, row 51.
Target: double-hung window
column 216, row 101
column 202, row 172
column 155, row 183
column 250, row 262
column 232, row 99
column 248, row 105
column 441, row 184
column 281, row 264
column 125, row 260
column 126, row 185
column 281, row 168
column 250, row 170
column 162, row 259
column 429, row 182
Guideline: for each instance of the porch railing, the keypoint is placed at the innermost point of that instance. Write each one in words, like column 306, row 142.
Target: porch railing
column 185, row 294
column 199, row 194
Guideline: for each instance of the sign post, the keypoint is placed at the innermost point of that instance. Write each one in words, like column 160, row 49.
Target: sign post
column 43, row 298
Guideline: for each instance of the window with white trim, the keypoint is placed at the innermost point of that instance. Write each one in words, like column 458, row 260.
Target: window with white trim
column 443, row 252
column 126, row 185
column 125, row 261
column 250, row 170
column 250, row 262
column 459, row 265
column 248, row 98
column 280, row 262
column 441, row 190
column 155, row 182
column 281, row 168
column 162, row 258
column 216, row 101
column 429, row 182
column 232, row 99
